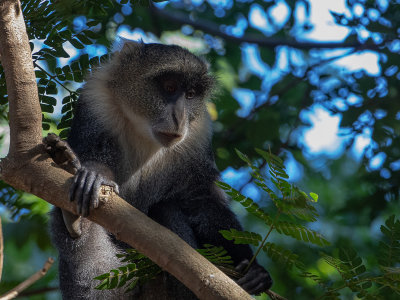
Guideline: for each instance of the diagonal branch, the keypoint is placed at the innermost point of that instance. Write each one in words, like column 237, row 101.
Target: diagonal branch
column 213, row 28
column 29, row 168
column 28, row 282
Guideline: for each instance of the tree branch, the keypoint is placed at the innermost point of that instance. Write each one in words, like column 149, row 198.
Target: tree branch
column 29, row 168
column 31, row 280
column 213, row 28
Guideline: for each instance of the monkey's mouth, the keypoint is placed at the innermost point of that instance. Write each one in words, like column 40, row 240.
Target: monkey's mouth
column 168, row 138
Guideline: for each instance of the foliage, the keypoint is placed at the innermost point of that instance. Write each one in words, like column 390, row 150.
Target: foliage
column 354, row 274
column 349, row 265
column 290, row 202
column 216, row 255
column 139, row 270
column 357, row 193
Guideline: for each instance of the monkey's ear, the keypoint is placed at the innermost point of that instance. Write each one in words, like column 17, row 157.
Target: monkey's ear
column 131, row 47
column 126, row 46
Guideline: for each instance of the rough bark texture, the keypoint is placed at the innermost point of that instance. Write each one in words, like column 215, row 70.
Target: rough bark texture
column 28, row 167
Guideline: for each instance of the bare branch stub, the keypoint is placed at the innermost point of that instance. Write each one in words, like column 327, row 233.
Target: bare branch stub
column 28, row 282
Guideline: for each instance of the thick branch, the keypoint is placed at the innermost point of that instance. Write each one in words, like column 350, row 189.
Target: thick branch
column 28, row 167
column 213, row 28
column 15, row 56
column 31, row 280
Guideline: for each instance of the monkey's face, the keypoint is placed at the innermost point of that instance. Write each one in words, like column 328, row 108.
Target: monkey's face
column 162, row 90
column 176, row 102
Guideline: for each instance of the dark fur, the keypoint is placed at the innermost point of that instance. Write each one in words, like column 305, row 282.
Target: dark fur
column 172, row 185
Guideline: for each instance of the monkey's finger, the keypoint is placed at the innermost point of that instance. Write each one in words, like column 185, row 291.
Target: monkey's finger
column 249, row 285
column 242, row 266
column 79, row 190
column 95, row 191
column 87, row 192
column 261, row 287
column 249, row 276
column 76, row 163
column 74, row 185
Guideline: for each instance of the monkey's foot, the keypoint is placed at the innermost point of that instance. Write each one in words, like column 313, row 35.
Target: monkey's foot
column 61, row 153
column 86, row 187
column 256, row 280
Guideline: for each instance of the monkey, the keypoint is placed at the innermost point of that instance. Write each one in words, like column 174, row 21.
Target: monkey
column 141, row 125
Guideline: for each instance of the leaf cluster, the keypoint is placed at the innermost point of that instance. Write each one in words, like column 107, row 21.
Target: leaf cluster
column 289, row 201
column 138, row 270
column 354, row 274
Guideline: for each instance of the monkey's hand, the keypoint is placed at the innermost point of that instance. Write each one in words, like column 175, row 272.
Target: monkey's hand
column 86, row 187
column 256, row 280
column 61, row 153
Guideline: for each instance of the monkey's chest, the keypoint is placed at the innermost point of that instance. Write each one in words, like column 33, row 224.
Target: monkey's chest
column 143, row 190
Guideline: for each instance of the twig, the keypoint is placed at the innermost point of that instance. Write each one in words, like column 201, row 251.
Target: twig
column 213, row 28
column 296, row 81
column 25, row 284
column 52, row 77
column 275, row 296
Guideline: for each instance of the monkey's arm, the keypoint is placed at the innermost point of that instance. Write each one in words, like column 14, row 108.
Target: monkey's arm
column 89, row 176
column 211, row 214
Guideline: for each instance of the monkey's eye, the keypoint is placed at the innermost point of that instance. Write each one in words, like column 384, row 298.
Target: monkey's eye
column 190, row 94
column 170, row 86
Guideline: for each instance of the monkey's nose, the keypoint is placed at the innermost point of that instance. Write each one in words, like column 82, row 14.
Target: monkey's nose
column 168, row 138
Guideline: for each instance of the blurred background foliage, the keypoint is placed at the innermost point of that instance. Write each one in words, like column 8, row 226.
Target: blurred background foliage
column 316, row 81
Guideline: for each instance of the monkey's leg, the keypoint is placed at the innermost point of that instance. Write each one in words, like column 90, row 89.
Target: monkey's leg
column 82, row 259
column 64, row 156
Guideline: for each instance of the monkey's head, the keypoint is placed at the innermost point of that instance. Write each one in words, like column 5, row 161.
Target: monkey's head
column 160, row 89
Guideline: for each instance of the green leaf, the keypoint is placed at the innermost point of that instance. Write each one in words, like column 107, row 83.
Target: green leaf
column 84, row 61
column 40, row 74
column 52, row 89
column 216, row 255
column 91, row 34
column 113, row 279
column 390, row 246
column 92, row 23
column 102, row 276
column 84, row 39
column 47, row 108
column 103, row 285
column 242, row 237
column 67, row 72
column 314, row 196
column 64, row 133
column 223, row 185
column 246, row 202
column 74, row 42
column 243, row 156
column 48, row 100
column 132, row 285
column 285, row 258
column 66, row 34
column 67, row 107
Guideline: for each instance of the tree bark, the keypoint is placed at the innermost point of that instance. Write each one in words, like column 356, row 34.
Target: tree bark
column 29, row 168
